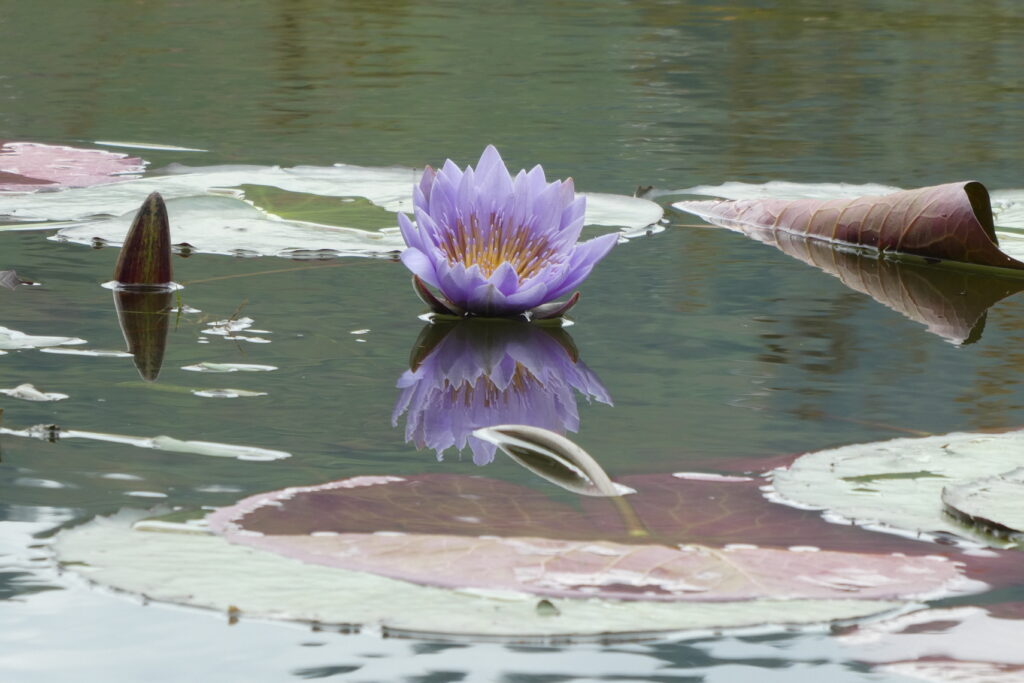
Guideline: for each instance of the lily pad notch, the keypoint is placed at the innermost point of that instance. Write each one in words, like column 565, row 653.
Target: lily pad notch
column 950, row 223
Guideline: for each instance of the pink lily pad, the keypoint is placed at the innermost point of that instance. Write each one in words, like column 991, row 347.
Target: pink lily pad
column 951, row 222
column 430, row 539
column 31, row 166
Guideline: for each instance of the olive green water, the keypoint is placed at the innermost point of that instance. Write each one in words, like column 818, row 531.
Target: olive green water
column 712, row 347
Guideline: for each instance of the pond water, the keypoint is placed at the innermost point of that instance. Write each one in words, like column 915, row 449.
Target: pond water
column 717, row 353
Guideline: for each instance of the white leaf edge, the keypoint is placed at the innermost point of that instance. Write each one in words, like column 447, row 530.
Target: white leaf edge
column 910, row 507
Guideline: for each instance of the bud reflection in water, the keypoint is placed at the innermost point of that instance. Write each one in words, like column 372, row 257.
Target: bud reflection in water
column 474, row 373
column 144, row 317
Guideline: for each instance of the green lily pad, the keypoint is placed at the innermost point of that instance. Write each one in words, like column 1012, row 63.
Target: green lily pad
column 897, row 486
column 349, row 212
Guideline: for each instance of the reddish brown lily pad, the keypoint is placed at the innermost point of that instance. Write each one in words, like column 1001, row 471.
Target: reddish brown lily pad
column 951, row 222
column 440, row 530
column 666, row 509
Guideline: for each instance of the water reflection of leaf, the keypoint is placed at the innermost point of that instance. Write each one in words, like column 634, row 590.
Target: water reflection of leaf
column 950, row 303
column 470, row 374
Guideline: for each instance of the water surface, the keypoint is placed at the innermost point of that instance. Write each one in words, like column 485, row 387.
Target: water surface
column 712, row 347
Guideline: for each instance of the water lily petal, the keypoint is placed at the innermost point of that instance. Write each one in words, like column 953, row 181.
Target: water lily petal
column 498, row 245
column 582, row 262
column 488, row 300
column 505, row 279
column 547, row 210
column 430, row 233
column 457, row 282
column 535, row 181
column 531, row 296
column 410, row 234
column 421, row 265
column 566, row 239
column 483, row 451
column 426, row 182
column 490, row 161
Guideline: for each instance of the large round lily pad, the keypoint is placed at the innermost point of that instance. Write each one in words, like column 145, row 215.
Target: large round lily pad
column 325, row 524
column 207, row 571
column 897, row 485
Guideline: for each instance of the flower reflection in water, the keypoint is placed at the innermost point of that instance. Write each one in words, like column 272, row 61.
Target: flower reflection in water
column 469, row 374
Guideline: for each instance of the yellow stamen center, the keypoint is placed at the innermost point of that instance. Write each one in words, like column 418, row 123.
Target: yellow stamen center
column 499, row 242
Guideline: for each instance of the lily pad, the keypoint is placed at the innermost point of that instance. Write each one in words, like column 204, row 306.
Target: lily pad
column 861, row 482
column 994, row 505
column 207, row 571
column 32, row 166
column 227, row 393
column 215, row 449
column 28, row 392
column 663, row 510
column 951, row 303
column 93, row 353
column 952, row 222
column 225, row 225
column 306, row 207
column 207, row 366
column 13, row 339
column 229, row 223
column 311, row 524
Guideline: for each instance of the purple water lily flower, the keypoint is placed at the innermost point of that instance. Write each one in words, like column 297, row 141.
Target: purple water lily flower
column 494, row 245
column 471, row 374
